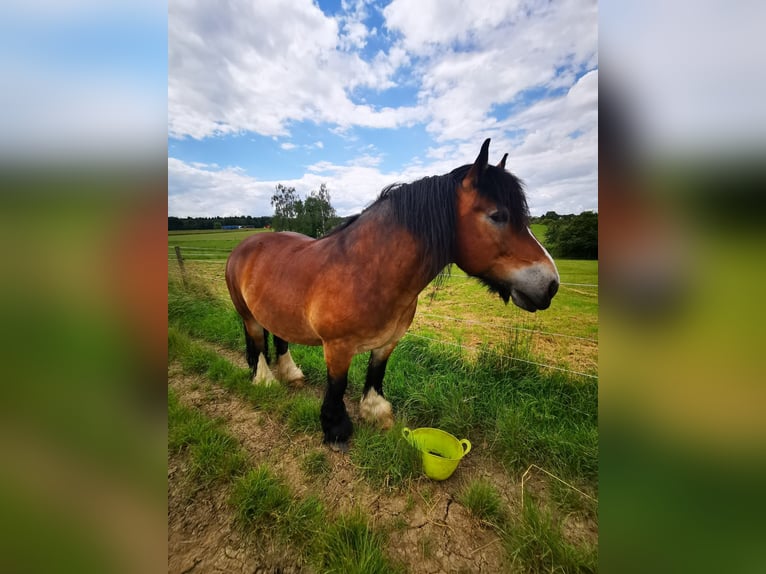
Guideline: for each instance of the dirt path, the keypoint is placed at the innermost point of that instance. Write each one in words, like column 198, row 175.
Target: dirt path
column 428, row 530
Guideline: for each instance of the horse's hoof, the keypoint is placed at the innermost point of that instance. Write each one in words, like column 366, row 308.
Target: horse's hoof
column 341, row 447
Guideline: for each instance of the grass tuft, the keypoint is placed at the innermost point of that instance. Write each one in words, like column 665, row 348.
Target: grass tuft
column 217, row 456
column 303, row 414
column 213, row 454
column 315, row 464
column 483, row 501
column 350, row 546
column 537, row 544
column 303, row 522
column 259, row 499
column 386, row 459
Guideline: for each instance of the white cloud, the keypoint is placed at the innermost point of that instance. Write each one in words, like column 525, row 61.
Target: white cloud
column 491, row 54
column 287, row 146
column 198, row 190
column 263, row 66
column 255, row 66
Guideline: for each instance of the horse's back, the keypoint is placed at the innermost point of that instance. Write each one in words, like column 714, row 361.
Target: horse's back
column 262, row 249
column 270, row 276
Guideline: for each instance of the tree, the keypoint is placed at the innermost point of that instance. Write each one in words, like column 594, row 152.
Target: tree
column 317, row 212
column 313, row 215
column 573, row 236
column 285, row 209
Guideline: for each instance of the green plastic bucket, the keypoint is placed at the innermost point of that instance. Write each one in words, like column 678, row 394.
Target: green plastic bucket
column 441, row 452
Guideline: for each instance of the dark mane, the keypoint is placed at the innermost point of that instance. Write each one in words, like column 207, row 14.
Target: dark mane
column 426, row 208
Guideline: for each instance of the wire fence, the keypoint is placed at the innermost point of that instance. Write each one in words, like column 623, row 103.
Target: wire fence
column 205, row 254
column 516, row 359
column 512, row 327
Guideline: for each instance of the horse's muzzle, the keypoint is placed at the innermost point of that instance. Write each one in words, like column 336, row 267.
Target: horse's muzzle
column 530, row 303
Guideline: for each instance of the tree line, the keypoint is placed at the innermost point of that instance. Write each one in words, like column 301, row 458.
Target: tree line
column 189, row 223
column 571, row 236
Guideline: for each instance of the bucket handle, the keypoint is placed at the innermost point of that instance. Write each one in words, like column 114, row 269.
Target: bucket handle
column 406, row 433
column 466, row 444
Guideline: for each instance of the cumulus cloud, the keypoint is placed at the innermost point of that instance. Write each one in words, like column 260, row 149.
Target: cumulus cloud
column 491, row 55
column 500, row 69
column 256, row 66
column 197, row 190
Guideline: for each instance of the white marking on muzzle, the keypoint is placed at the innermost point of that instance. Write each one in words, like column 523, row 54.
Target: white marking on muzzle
column 535, row 279
column 548, row 255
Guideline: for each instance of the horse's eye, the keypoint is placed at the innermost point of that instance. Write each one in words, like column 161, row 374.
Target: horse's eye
column 499, row 216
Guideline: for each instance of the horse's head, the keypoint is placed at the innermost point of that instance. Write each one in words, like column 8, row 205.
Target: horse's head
column 493, row 239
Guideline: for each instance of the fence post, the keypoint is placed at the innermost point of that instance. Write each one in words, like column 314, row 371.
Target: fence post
column 181, row 264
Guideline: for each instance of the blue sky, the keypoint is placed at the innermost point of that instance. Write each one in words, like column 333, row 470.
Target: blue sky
column 361, row 94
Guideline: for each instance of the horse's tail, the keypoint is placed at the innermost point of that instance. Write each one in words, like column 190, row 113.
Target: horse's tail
column 251, row 351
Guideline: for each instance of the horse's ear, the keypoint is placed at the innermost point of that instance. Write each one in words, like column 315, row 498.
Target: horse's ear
column 501, row 165
column 480, row 165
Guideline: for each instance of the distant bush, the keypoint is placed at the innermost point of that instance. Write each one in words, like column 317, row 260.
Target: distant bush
column 572, row 236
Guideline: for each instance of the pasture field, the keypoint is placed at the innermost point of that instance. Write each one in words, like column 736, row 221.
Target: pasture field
column 209, row 243
column 251, row 485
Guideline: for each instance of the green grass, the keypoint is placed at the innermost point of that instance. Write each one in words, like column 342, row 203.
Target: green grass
column 350, row 546
column 209, row 243
column 214, row 455
column 347, row 544
column 483, row 501
column 573, row 311
column 203, row 315
column 259, row 498
column 303, row 414
column 537, row 543
column 262, row 502
column 538, row 229
column 528, row 416
column 534, row 541
column 385, row 459
column 315, row 464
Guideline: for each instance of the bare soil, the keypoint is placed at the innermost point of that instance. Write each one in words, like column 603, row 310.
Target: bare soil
column 428, row 530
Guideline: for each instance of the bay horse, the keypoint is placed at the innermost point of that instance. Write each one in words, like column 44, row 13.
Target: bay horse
column 356, row 289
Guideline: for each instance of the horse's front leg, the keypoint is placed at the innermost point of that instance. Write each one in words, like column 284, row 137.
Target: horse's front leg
column 374, row 408
column 336, row 423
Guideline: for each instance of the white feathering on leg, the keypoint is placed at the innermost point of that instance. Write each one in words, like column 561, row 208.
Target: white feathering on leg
column 377, row 410
column 288, row 371
column 263, row 375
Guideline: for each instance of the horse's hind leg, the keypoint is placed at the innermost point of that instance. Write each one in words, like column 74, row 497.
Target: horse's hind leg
column 287, row 371
column 373, row 407
column 257, row 349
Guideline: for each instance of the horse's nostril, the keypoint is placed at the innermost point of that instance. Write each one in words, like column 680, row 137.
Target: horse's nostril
column 553, row 288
